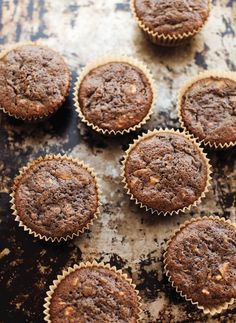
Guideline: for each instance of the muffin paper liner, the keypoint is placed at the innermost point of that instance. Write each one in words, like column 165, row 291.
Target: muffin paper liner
column 185, row 87
column 24, row 169
column 70, row 270
column 166, row 39
column 111, row 59
column 150, row 134
column 44, row 116
column 211, row 311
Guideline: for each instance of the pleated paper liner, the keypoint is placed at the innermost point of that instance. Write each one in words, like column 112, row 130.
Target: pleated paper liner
column 148, row 135
column 106, row 60
column 47, row 114
column 211, row 311
column 165, row 39
column 185, row 87
column 70, row 270
column 24, row 170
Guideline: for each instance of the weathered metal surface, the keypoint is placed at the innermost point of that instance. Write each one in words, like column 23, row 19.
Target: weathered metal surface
column 124, row 235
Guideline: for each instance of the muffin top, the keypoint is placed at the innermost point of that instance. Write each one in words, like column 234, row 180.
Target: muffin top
column 172, row 17
column 201, row 261
column 34, row 81
column 94, row 294
column 56, row 197
column 115, row 96
column 208, row 109
column 166, row 171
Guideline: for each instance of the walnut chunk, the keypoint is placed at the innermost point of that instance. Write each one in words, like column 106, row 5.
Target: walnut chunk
column 154, row 180
column 169, row 157
column 61, row 302
column 205, row 291
column 196, row 250
column 63, row 175
column 121, row 294
column 186, row 271
column 69, row 310
column 224, row 268
column 75, row 281
column 133, row 89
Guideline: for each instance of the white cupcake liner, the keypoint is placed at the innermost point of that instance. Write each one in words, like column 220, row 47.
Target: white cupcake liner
column 150, row 134
column 211, row 311
column 166, row 39
column 70, row 270
column 106, row 60
column 24, row 169
column 44, row 116
column 185, row 87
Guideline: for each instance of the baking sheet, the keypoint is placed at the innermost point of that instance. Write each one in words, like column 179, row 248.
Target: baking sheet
column 124, row 235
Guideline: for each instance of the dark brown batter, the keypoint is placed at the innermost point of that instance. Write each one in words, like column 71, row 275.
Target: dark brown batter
column 166, row 172
column 208, row 110
column 201, row 260
column 92, row 295
column 33, row 81
column 172, row 17
column 56, row 198
column 115, row 96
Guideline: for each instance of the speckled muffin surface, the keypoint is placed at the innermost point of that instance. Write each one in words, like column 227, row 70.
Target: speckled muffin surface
column 34, row 81
column 56, row 197
column 201, row 261
column 115, row 96
column 172, row 17
column 94, row 294
column 166, row 172
column 208, row 110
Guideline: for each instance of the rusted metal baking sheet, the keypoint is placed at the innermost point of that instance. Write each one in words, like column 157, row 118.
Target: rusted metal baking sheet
column 124, row 235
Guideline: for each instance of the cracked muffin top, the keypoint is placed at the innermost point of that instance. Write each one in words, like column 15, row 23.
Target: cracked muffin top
column 56, row 197
column 115, row 96
column 201, row 261
column 208, row 109
column 166, row 171
column 94, row 294
column 172, row 17
column 34, row 82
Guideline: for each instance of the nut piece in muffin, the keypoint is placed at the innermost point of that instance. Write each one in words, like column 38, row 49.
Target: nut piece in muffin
column 114, row 97
column 34, row 81
column 201, row 262
column 55, row 197
column 170, row 21
column 207, row 109
column 165, row 171
column 92, row 293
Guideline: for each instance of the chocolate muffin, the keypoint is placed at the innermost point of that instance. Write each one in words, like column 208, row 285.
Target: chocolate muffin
column 201, row 262
column 114, row 97
column 92, row 293
column 207, row 108
column 165, row 171
column 34, row 81
column 166, row 20
column 55, row 197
